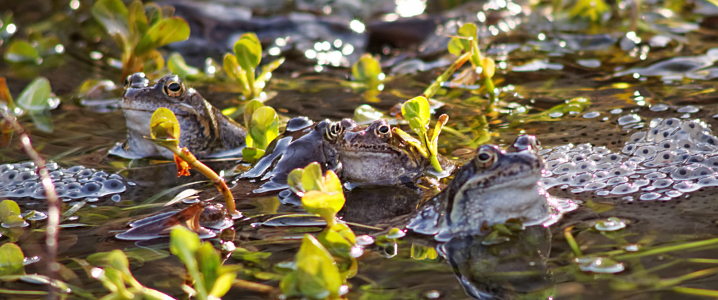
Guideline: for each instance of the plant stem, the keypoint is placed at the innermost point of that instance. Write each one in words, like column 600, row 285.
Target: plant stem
column 218, row 181
column 694, row 291
column 431, row 90
column 251, row 82
column 671, row 248
column 571, row 241
column 53, row 203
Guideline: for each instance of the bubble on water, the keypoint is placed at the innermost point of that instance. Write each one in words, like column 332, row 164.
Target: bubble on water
column 591, row 115
column 708, row 181
column 602, row 193
column 628, row 119
column 688, row 109
column 594, row 186
column 610, row 224
column 673, row 193
column 659, row 107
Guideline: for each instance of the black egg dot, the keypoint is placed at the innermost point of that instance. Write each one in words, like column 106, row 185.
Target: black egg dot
column 666, row 146
column 613, row 157
column 665, row 134
column 645, row 151
column 666, row 156
column 682, row 172
column 669, row 122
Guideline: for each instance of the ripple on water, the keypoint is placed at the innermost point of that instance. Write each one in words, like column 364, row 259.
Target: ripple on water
column 670, row 158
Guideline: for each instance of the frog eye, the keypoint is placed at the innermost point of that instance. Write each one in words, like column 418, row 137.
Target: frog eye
column 173, row 88
column 382, row 130
column 127, row 80
column 333, row 131
column 485, row 158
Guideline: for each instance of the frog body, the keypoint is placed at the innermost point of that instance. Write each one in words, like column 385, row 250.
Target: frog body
column 205, row 131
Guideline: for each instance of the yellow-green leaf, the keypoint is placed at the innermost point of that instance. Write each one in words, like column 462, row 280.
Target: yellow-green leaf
column 113, row 15
column 366, row 69
column 164, row 32
column 11, row 260
column 137, row 19
column 317, row 274
column 294, row 180
column 249, row 110
column 251, row 154
column 21, row 51
column 223, row 284
column 323, row 204
column 264, row 126
column 179, row 67
column 248, row 51
column 164, row 125
column 312, row 177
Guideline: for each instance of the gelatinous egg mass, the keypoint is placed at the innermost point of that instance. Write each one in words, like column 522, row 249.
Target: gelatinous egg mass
column 669, row 159
column 20, row 180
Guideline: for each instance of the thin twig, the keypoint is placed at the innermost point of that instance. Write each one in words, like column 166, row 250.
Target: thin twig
column 53, row 210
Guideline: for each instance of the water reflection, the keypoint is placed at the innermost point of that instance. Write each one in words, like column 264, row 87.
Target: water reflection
column 502, row 271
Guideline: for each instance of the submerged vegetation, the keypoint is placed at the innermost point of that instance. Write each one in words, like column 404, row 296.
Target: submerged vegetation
column 548, row 68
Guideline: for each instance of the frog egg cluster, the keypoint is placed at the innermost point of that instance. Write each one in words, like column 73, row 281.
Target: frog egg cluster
column 669, row 159
column 21, row 181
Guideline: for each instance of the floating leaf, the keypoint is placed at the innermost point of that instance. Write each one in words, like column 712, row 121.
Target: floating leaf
column 21, row 51
column 11, row 260
column 10, row 214
column 162, row 33
column 248, row 51
column 366, row 69
column 323, row 204
column 164, row 125
column 251, row 154
column 36, row 95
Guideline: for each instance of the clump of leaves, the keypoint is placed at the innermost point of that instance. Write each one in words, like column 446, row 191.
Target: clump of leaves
column 36, row 99
column 139, row 30
column 211, row 280
column 165, row 132
column 241, row 66
column 262, row 124
column 113, row 270
column 316, row 275
column 592, row 10
column 573, row 106
column 12, row 268
column 323, row 196
column 481, row 66
column 25, row 55
column 418, row 113
column 367, row 71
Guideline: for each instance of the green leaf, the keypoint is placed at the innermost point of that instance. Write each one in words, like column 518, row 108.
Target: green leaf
column 42, row 120
column 184, row 243
column 255, row 257
column 249, row 110
column 35, row 96
column 9, row 208
column 113, row 15
column 456, row 47
column 417, row 107
column 323, row 204
column 177, row 66
column 137, row 19
column 338, row 239
column 248, row 51
column 234, row 71
column 11, row 260
column 251, row 154
column 209, row 263
column 366, row 69
column 312, row 177
column 162, row 33
column 21, row 51
column 223, row 284
column 294, row 180
column 317, row 275
column 267, row 69
column 264, row 126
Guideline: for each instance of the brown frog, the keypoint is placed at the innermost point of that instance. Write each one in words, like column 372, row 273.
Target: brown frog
column 206, row 132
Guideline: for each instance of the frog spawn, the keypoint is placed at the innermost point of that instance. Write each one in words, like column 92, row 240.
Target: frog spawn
column 21, row 181
column 670, row 159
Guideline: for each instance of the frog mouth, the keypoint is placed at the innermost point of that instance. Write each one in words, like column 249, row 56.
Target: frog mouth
column 151, row 111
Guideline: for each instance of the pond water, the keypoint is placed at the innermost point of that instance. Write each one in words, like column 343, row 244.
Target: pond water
column 659, row 64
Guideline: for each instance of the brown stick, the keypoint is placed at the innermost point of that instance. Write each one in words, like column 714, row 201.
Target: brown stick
column 218, row 181
column 53, row 210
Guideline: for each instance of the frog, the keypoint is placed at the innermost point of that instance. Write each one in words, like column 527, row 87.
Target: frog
column 205, row 131
column 494, row 187
column 370, row 154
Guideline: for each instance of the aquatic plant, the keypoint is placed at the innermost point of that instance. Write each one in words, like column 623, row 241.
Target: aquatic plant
column 36, row 100
column 481, row 66
column 418, row 113
column 324, row 263
column 165, row 132
column 210, row 278
column 112, row 269
column 262, row 124
column 315, row 276
column 12, row 268
column 38, row 50
column 139, row 30
column 367, row 71
column 573, row 106
column 241, row 66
